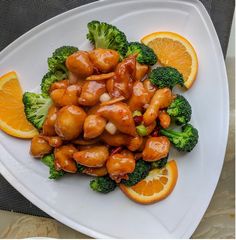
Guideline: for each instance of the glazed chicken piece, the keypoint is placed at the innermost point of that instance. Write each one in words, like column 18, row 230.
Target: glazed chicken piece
column 120, row 115
column 116, row 140
column 165, row 119
column 151, row 89
column 120, row 164
column 127, row 153
column 122, row 83
column 60, row 84
column 91, row 92
column 85, row 142
column 80, row 64
column 93, row 110
column 141, row 71
column 53, row 141
column 156, row 148
column 95, row 172
column 134, row 143
column 141, row 148
column 66, row 96
column 92, row 156
column 100, row 77
column 105, row 60
column 69, row 122
column 121, row 139
column 151, row 127
column 48, row 125
column 161, row 99
column 73, row 79
column 139, row 98
column 94, row 125
column 110, row 87
column 64, row 158
column 39, row 147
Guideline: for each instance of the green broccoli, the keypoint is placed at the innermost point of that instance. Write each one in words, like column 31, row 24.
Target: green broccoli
column 104, row 35
column 80, row 168
column 103, row 184
column 145, row 54
column 180, row 110
column 58, row 58
column 159, row 163
column 36, row 107
column 141, row 170
column 49, row 161
column 166, row 77
column 183, row 141
column 49, row 78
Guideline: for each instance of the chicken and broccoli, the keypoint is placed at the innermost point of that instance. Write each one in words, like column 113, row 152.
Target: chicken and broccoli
column 107, row 112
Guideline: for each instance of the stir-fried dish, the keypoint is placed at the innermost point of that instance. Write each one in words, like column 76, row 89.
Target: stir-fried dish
column 109, row 112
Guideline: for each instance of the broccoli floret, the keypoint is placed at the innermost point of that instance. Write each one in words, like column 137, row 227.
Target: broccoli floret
column 145, row 54
column 58, row 58
column 103, row 184
column 36, row 107
column 104, row 35
column 184, row 141
column 159, row 163
column 180, row 110
column 49, row 161
column 49, row 78
column 166, row 77
column 141, row 170
column 80, row 168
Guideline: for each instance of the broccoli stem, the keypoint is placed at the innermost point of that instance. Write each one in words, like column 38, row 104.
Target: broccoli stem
column 170, row 133
column 100, row 43
column 64, row 69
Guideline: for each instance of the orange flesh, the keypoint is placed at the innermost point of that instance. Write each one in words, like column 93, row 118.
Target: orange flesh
column 12, row 116
column 155, row 187
column 173, row 53
column 150, row 187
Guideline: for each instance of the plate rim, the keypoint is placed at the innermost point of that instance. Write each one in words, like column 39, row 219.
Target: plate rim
column 78, row 10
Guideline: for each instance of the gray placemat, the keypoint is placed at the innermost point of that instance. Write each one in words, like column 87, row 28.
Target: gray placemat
column 19, row 16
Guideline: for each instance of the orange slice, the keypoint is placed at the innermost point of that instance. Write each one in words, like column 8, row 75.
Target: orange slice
column 156, row 186
column 175, row 51
column 12, row 116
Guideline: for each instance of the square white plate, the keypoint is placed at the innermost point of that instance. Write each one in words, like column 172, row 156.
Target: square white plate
column 70, row 200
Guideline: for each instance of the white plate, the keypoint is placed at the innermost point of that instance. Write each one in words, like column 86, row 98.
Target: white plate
column 70, row 200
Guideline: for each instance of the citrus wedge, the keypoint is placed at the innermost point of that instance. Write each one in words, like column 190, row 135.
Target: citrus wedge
column 12, row 116
column 175, row 51
column 156, row 186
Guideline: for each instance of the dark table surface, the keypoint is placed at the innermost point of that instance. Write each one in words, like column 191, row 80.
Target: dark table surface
column 19, row 16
